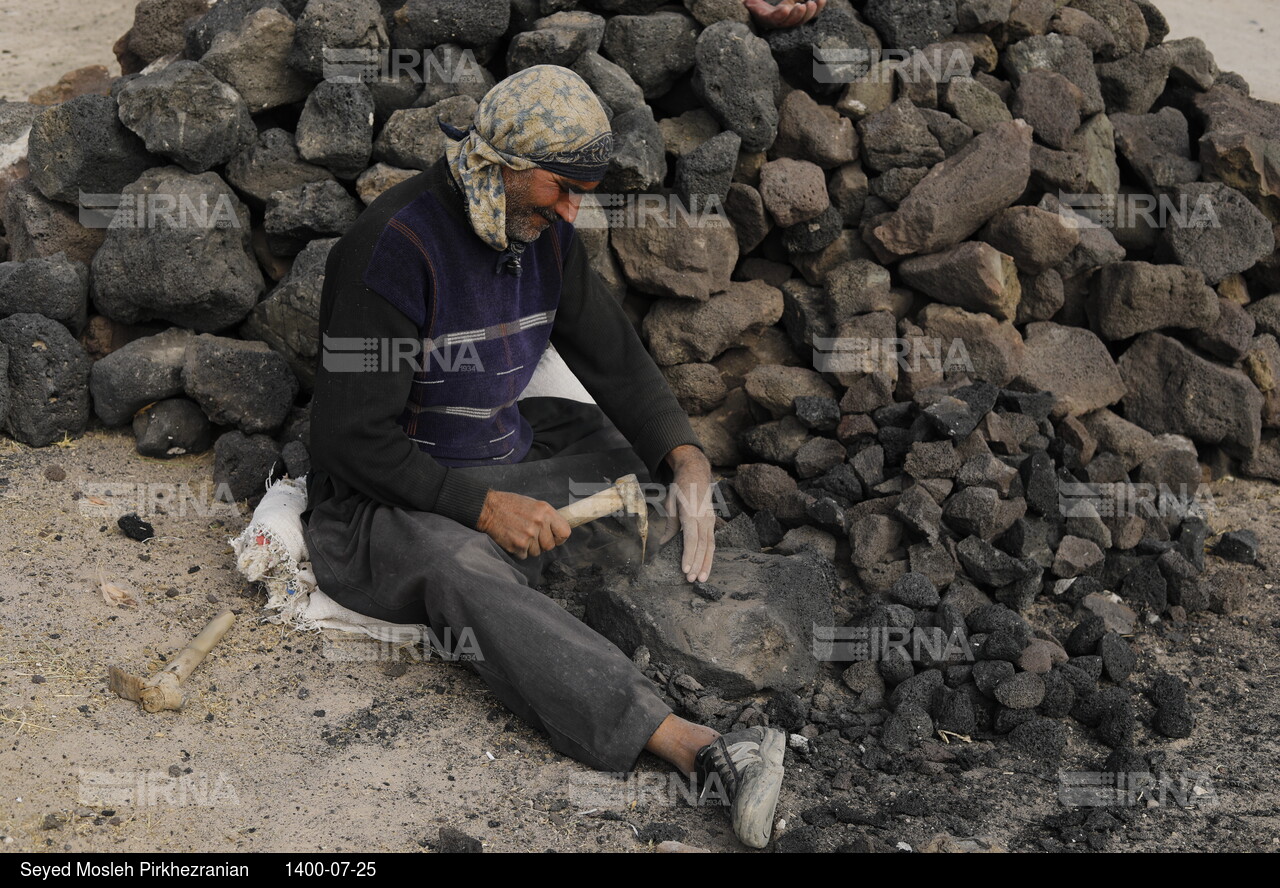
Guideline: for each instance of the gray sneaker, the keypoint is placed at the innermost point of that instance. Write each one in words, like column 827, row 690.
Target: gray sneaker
column 747, row 764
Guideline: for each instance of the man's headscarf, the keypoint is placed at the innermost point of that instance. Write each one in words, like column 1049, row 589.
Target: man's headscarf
column 545, row 116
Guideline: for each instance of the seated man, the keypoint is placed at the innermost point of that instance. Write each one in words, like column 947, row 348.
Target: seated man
column 427, row 499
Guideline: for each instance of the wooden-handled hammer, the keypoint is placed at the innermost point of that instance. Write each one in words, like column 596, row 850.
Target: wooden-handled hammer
column 163, row 690
column 624, row 496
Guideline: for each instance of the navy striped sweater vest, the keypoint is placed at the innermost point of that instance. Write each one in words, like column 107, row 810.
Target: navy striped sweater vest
column 483, row 331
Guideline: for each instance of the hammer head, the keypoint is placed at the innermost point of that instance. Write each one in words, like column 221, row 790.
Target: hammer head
column 633, row 502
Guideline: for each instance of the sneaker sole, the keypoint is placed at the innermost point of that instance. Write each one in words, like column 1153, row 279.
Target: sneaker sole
column 754, row 807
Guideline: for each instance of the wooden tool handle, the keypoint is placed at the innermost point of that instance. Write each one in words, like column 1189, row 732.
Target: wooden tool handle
column 200, row 646
column 606, row 502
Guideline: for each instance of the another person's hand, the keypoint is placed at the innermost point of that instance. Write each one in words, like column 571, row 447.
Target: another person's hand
column 689, row 509
column 522, row 526
column 787, row 14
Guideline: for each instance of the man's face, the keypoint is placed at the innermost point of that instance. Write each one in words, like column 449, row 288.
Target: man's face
column 536, row 198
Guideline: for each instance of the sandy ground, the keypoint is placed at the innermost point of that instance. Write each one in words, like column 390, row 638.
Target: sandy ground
column 282, row 746
column 42, row 39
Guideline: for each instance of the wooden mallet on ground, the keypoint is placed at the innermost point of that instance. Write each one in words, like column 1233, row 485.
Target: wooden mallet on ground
column 163, row 690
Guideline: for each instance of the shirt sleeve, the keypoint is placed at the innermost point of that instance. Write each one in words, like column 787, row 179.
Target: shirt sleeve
column 356, row 436
column 597, row 341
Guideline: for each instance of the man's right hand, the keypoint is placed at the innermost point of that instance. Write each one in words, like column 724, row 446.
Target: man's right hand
column 523, row 526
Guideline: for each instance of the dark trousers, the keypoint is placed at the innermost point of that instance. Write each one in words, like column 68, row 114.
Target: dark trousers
column 548, row 667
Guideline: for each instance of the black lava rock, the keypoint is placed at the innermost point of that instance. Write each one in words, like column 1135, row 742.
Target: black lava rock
column 1117, row 657
column 135, row 528
column 1240, row 546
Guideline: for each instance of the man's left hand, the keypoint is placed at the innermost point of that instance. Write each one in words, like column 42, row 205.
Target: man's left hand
column 689, row 508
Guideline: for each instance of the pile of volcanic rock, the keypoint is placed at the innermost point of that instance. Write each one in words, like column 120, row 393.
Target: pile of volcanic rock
column 1013, row 547
column 890, row 170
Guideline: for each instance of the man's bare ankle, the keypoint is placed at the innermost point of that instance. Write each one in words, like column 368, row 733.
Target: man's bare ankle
column 677, row 741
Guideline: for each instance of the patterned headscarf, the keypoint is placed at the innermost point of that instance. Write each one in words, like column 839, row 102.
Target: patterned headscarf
column 545, row 116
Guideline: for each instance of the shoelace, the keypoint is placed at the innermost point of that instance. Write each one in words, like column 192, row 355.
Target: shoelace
column 733, row 758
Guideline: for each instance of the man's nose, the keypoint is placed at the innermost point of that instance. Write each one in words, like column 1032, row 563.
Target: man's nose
column 567, row 207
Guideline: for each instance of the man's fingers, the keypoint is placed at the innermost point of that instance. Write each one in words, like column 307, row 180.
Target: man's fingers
column 709, row 550
column 671, row 507
column 560, row 528
column 691, row 559
column 546, row 539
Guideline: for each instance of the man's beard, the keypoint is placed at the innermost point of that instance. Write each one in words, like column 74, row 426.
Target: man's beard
column 522, row 226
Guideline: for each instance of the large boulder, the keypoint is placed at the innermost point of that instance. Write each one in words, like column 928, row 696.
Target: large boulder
column 81, row 147
column 289, row 318
column 420, row 24
column 253, row 59
column 48, row 380
column 680, row 331
column 336, row 128
column 1037, row 239
column 187, row 115
column 653, row 49
column 1157, row 146
column 185, row 260
column 1173, row 390
column 238, row 382
column 666, row 253
column 960, row 194
column 912, row 24
column 223, row 16
column 1134, row 297
column 760, row 637
column 1065, row 55
column 639, row 162
column 899, row 137
column 56, row 287
column 158, row 27
column 973, row 342
column 245, row 464
column 306, row 213
column 1216, row 230
column 737, row 80
column 272, row 163
column 973, row 275
column 145, row 370
column 37, row 227
column 412, row 138
column 1072, row 363
column 332, row 30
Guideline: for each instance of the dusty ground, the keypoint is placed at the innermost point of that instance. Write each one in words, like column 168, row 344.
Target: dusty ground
column 281, row 748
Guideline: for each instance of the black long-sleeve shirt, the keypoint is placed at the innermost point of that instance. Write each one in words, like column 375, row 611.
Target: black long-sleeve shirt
column 357, row 442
